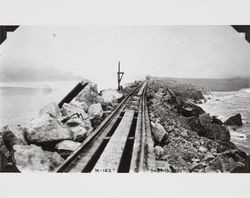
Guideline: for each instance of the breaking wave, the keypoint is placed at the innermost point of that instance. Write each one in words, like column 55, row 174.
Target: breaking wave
column 238, row 135
column 226, row 104
column 244, row 90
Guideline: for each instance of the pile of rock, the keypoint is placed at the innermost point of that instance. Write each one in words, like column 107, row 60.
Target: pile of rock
column 109, row 95
column 186, row 138
column 234, row 120
column 55, row 133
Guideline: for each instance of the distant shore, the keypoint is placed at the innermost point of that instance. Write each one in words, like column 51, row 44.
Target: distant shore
column 219, row 84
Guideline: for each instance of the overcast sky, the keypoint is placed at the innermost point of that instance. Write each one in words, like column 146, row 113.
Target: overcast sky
column 93, row 51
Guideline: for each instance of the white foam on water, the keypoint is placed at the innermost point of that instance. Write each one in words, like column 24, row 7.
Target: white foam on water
column 222, row 118
column 245, row 90
column 238, row 136
column 226, row 104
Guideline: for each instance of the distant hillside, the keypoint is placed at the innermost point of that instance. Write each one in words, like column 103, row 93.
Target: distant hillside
column 231, row 84
column 15, row 73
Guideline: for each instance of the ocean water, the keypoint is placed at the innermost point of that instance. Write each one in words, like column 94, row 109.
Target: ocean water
column 21, row 101
column 226, row 104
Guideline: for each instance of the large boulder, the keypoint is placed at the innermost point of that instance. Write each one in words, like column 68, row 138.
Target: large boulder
column 205, row 119
column 218, row 132
column 215, row 120
column 195, row 125
column 190, row 109
column 89, row 94
column 91, row 85
column 177, row 100
column 13, row 134
column 108, row 107
column 46, row 129
column 52, row 109
column 159, row 151
column 4, row 150
column 245, row 169
column 109, row 95
column 227, row 161
column 80, row 128
column 234, row 120
column 82, row 105
column 95, row 110
column 159, row 134
column 66, row 147
column 31, row 158
column 70, row 109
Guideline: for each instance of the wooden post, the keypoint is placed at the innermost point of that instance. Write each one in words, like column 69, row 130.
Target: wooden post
column 72, row 94
column 119, row 76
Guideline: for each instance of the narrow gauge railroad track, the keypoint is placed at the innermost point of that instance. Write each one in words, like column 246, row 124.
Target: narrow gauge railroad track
column 121, row 143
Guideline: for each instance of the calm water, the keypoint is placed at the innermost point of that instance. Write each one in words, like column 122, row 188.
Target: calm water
column 226, row 104
column 20, row 101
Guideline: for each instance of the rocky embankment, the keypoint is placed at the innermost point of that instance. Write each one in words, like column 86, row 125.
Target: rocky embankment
column 55, row 133
column 187, row 139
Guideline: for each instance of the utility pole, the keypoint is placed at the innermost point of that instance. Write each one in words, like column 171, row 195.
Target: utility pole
column 119, row 76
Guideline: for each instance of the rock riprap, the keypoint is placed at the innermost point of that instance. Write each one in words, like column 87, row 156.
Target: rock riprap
column 205, row 119
column 89, row 94
column 51, row 109
column 95, row 110
column 218, row 132
column 159, row 133
column 32, row 158
column 13, row 135
column 82, row 105
column 54, row 133
column 66, row 147
column 70, row 109
column 195, row 141
column 234, row 120
column 79, row 128
column 109, row 95
column 44, row 129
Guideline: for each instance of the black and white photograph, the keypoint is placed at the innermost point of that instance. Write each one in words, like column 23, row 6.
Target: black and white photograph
column 125, row 99
column 135, row 98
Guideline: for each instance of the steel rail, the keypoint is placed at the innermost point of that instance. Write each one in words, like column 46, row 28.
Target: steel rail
column 147, row 155
column 143, row 155
column 143, row 134
column 95, row 133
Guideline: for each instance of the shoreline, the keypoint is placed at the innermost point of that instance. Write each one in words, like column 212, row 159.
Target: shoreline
column 190, row 132
column 185, row 137
column 213, row 104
